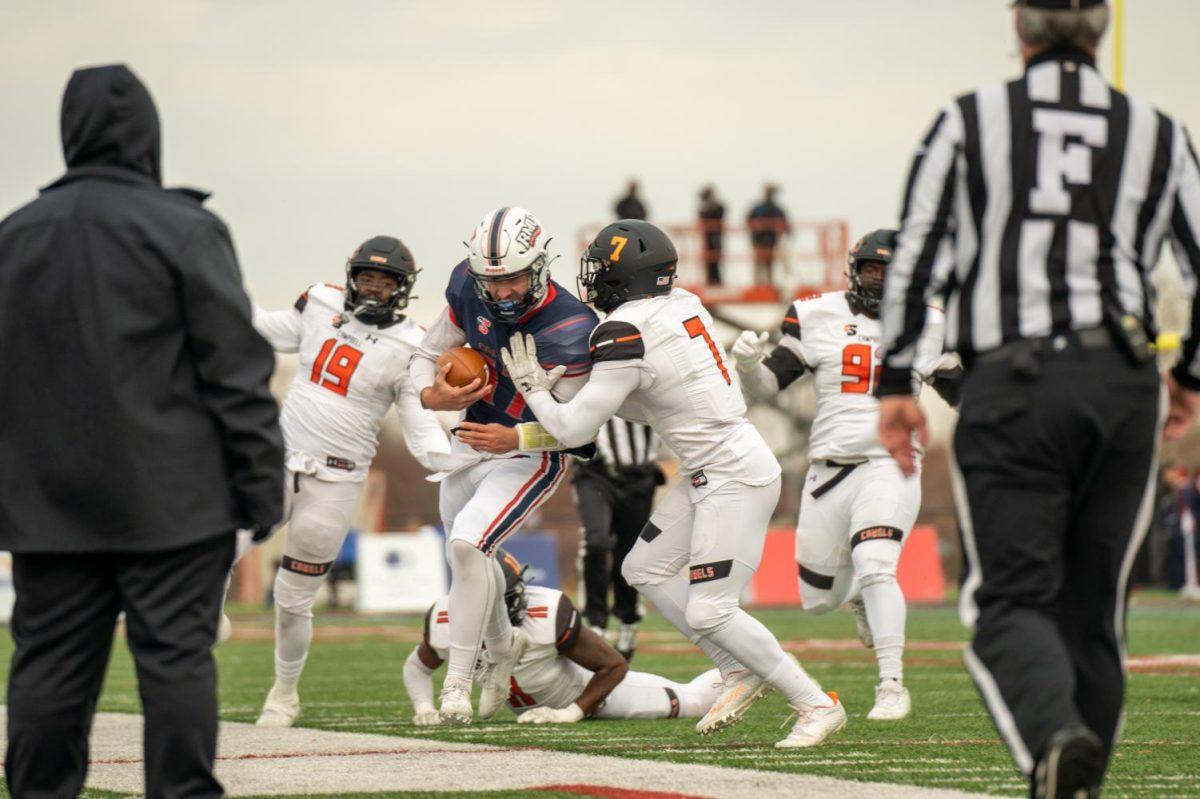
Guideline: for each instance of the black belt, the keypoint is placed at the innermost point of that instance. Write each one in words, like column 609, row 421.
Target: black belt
column 844, row 470
column 1091, row 338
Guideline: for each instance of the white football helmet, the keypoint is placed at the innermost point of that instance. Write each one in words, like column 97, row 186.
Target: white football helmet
column 509, row 242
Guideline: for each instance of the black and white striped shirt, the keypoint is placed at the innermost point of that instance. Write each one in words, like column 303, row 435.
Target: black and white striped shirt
column 1032, row 203
column 622, row 444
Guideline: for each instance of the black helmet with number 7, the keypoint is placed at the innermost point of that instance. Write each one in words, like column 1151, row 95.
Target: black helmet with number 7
column 875, row 247
column 627, row 260
column 514, row 586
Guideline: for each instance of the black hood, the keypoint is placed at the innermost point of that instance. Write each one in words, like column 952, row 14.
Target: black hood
column 109, row 119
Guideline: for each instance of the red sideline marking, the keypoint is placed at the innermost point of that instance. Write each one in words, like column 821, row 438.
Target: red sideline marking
column 615, row 793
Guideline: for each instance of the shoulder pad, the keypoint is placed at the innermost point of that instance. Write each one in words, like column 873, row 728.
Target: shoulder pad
column 459, row 279
column 566, row 624
column 302, row 302
column 791, row 322
column 617, row 341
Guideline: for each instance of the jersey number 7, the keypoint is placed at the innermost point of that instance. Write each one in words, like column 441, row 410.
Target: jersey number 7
column 334, row 367
column 696, row 329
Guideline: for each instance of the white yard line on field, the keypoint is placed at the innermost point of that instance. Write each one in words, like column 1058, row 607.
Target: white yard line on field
column 253, row 760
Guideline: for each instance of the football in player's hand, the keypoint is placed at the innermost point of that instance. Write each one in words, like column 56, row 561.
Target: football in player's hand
column 465, row 365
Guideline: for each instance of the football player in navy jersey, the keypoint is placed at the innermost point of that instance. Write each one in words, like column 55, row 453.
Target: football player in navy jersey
column 503, row 464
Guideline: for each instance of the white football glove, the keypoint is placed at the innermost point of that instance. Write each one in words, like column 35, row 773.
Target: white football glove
column 549, row 715
column 748, row 350
column 426, row 715
column 520, row 359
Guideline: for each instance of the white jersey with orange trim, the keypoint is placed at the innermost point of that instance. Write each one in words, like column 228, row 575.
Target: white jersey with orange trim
column 543, row 676
column 687, row 391
column 842, row 349
column 350, row 373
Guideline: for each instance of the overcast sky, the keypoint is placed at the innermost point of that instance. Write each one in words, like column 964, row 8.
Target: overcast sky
column 319, row 124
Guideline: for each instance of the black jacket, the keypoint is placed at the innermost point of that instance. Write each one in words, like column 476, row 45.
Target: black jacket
column 134, row 408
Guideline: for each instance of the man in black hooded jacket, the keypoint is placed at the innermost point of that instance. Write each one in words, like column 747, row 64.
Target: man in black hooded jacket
column 137, row 435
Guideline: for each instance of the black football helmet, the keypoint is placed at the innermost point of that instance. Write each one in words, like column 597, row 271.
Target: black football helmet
column 875, row 247
column 627, row 260
column 514, row 586
column 390, row 256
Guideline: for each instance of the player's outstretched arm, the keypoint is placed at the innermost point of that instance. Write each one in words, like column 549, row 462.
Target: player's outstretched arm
column 577, row 422
column 606, row 664
column 423, row 432
column 608, row 669
column 418, row 683
column 281, row 329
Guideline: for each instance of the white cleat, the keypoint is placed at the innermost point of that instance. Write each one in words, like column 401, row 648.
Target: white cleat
column 892, row 701
column 224, row 630
column 456, row 701
column 742, row 689
column 496, row 677
column 815, row 725
column 281, row 709
column 860, row 621
column 626, row 640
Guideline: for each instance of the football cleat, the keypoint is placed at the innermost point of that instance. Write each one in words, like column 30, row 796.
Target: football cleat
column 860, row 621
column 892, row 701
column 496, row 677
column 626, row 640
column 814, row 725
column 742, row 689
column 1072, row 766
column 281, row 709
column 456, row 701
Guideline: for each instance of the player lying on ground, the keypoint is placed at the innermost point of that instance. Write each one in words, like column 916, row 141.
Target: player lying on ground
column 566, row 673
column 505, row 466
column 655, row 362
column 355, row 345
column 857, row 506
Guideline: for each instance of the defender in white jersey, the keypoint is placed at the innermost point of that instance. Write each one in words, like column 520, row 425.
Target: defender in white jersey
column 354, row 345
column 566, row 673
column 655, row 362
column 857, row 505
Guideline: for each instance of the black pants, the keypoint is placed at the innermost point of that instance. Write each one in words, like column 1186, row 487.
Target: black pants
column 1059, row 470
column 62, row 625
column 613, row 511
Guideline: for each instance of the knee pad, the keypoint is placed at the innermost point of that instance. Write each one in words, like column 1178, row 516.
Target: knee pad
column 817, row 594
column 707, row 615
column 875, row 559
column 296, row 593
column 633, row 568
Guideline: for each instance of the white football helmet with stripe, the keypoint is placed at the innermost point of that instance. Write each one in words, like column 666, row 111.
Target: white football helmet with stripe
column 508, row 243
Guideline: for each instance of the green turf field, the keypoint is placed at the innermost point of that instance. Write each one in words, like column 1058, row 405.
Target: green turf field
column 352, row 683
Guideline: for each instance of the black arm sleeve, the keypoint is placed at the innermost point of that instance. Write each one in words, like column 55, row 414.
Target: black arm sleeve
column 566, row 624
column 617, row 341
column 786, row 367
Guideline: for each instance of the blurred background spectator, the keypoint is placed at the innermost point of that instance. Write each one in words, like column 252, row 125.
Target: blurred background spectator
column 767, row 222
column 630, row 205
column 712, row 229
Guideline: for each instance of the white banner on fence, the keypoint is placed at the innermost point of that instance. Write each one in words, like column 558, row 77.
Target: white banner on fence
column 400, row 572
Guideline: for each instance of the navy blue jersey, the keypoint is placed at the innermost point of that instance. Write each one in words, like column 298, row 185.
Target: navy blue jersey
column 561, row 325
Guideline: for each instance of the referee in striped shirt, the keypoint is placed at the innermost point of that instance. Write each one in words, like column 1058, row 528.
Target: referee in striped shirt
column 1038, row 208
column 614, row 492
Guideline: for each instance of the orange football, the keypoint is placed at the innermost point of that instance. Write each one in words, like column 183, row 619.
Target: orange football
column 465, row 365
